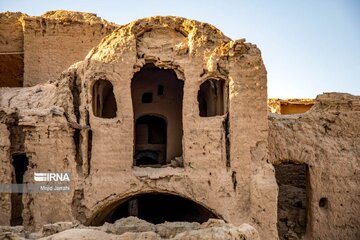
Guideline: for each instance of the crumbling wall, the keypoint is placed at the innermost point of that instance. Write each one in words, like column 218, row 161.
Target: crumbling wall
column 6, row 176
column 11, row 32
column 43, row 114
column 326, row 138
column 56, row 40
column 225, row 157
column 289, row 106
column 11, row 49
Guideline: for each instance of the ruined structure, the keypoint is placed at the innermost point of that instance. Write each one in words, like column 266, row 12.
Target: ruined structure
column 166, row 119
column 290, row 106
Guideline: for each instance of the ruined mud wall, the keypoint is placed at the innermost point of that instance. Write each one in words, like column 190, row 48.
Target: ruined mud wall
column 41, row 115
column 6, row 176
column 11, row 32
column 11, row 49
column 326, row 139
column 224, row 156
column 289, row 106
column 56, row 40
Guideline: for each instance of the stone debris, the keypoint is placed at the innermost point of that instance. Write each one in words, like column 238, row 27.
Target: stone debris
column 132, row 228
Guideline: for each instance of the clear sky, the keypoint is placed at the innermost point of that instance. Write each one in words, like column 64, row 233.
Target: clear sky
column 308, row 46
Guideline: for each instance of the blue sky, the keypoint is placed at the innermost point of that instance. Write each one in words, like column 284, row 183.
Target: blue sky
column 309, row 47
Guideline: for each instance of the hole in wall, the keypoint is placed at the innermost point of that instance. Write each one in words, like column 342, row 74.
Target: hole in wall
column 292, row 180
column 103, row 99
column 323, row 202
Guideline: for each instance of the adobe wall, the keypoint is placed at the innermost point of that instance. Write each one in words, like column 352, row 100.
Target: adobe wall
column 326, row 138
column 11, row 49
column 11, row 32
column 5, row 198
column 56, row 40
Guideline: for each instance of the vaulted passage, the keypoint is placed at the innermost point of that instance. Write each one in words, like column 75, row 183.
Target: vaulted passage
column 20, row 163
column 103, row 99
column 292, row 180
column 157, row 208
column 212, row 98
column 157, row 96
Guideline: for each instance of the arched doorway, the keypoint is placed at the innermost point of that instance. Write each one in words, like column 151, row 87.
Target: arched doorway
column 150, row 141
column 155, row 208
column 157, row 96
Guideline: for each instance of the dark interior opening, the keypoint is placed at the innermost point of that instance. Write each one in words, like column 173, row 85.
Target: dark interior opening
column 146, row 97
column 152, row 133
column 104, row 102
column 211, row 98
column 292, row 180
column 158, row 208
column 11, row 70
column 150, row 140
column 323, row 202
column 20, row 163
column 160, row 91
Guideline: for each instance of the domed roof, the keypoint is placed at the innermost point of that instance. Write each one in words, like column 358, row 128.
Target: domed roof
column 165, row 29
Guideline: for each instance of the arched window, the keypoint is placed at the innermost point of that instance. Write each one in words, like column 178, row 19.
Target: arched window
column 103, row 99
column 211, row 98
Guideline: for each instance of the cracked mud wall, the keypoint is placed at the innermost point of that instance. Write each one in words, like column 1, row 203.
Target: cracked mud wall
column 326, row 138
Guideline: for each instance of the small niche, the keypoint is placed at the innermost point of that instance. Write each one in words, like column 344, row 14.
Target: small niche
column 323, row 202
column 147, row 97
